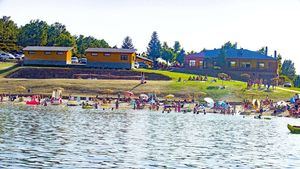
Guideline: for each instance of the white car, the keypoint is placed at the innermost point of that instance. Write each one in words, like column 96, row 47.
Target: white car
column 19, row 56
column 136, row 65
column 74, row 60
column 5, row 56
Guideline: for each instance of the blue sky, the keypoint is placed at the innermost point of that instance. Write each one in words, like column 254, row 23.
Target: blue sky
column 197, row 24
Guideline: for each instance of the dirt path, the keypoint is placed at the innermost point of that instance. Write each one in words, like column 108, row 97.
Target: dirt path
column 288, row 90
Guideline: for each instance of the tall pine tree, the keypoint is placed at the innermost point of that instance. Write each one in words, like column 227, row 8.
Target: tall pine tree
column 180, row 57
column 127, row 43
column 288, row 69
column 154, row 47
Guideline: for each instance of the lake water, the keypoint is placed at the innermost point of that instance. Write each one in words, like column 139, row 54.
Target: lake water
column 61, row 137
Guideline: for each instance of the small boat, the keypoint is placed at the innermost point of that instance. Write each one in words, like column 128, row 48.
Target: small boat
column 294, row 129
column 72, row 103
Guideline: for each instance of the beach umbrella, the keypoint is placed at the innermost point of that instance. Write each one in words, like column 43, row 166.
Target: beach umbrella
column 144, row 96
column 170, row 96
column 210, row 102
column 128, row 94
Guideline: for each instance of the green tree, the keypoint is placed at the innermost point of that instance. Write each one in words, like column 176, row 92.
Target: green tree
column 154, row 47
column 262, row 50
column 228, row 45
column 33, row 34
column 297, row 81
column 65, row 39
column 279, row 62
column 288, row 69
column 167, row 52
column 54, row 31
column 180, row 57
column 177, row 47
column 8, row 34
column 127, row 43
column 221, row 59
column 89, row 42
column 176, row 50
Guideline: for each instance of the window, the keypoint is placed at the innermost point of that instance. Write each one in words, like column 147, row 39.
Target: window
column 106, row 54
column 47, row 53
column 261, row 65
column 233, row 64
column 124, row 57
column 246, row 65
column 60, row 53
column 31, row 52
column 94, row 54
column 192, row 63
column 201, row 63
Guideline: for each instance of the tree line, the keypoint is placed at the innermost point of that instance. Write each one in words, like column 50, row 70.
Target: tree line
column 40, row 33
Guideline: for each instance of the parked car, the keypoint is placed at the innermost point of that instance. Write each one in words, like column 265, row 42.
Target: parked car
column 19, row 56
column 287, row 84
column 83, row 60
column 5, row 56
column 136, row 65
column 74, row 60
column 143, row 65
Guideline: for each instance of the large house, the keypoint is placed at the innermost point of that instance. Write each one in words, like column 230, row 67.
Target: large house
column 47, row 55
column 233, row 62
column 110, row 58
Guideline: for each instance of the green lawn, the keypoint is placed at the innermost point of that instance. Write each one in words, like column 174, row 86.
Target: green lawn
column 5, row 65
column 6, row 68
column 234, row 90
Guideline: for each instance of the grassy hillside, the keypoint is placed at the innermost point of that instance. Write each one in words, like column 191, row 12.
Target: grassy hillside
column 234, row 90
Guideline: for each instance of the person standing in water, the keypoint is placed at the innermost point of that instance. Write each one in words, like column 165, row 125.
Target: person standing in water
column 117, row 104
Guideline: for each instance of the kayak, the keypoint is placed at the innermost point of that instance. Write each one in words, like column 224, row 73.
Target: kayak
column 87, row 107
column 294, row 129
column 72, row 103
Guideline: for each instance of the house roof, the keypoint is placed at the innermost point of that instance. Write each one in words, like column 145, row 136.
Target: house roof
column 144, row 58
column 233, row 54
column 47, row 48
column 110, row 50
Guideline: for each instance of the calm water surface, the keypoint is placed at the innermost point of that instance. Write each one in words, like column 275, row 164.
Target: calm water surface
column 61, row 137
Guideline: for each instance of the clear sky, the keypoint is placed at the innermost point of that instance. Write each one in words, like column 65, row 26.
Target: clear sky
column 197, row 24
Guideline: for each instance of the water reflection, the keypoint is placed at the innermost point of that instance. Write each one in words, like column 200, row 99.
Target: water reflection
column 61, row 137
